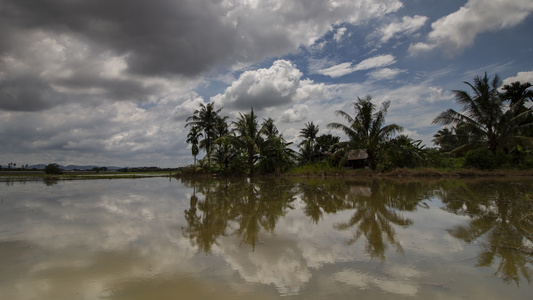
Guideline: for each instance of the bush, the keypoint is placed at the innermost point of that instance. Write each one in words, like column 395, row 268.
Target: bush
column 436, row 159
column 481, row 159
column 53, row 169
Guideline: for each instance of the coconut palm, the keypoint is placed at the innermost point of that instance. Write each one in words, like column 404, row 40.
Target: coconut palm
column 205, row 119
column 516, row 92
column 248, row 137
column 308, row 145
column 446, row 139
column 309, row 132
column 485, row 116
column 269, row 129
column 192, row 138
column 367, row 129
column 456, row 140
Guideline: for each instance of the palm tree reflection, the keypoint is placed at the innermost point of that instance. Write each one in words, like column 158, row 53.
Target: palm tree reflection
column 322, row 196
column 205, row 227
column 376, row 208
column 246, row 206
column 502, row 218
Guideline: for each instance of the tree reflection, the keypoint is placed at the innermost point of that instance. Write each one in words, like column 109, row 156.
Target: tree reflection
column 251, row 206
column 501, row 215
column 376, row 204
column 206, row 218
column 260, row 206
column 50, row 181
column 377, row 209
column 323, row 196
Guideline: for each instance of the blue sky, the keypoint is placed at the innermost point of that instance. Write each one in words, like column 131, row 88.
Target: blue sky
column 112, row 82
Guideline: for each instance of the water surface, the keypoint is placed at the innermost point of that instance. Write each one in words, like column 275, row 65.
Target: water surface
column 336, row 238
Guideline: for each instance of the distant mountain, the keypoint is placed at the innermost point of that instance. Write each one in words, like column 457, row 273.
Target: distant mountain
column 73, row 167
column 39, row 166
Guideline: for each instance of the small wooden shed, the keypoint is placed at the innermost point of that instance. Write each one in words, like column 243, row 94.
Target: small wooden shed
column 357, row 159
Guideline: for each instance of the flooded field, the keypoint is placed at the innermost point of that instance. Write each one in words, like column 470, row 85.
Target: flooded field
column 155, row 238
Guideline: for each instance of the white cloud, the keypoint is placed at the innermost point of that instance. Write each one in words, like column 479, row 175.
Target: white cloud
column 457, row 31
column 278, row 85
column 375, row 62
column 273, row 28
column 385, row 73
column 297, row 113
column 369, row 63
column 338, row 36
column 408, row 25
column 420, row 47
column 337, row 70
column 523, row 77
column 309, row 90
column 191, row 102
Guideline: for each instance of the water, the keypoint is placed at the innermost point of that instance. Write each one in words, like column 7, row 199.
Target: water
column 152, row 238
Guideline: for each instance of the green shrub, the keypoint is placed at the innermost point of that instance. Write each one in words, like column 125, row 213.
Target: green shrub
column 481, row 159
column 53, row 169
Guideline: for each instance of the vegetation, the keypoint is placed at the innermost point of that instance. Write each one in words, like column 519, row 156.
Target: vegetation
column 487, row 122
column 53, row 169
column 493, row 130
column 205, row 120
column 367, row 130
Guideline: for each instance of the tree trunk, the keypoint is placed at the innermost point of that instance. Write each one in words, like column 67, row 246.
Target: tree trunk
column 251, row 161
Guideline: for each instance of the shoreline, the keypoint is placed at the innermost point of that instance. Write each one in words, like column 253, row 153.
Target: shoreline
column 398, row 173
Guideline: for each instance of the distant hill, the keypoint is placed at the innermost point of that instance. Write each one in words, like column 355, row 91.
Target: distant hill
column 73, row 167
column 39, row 166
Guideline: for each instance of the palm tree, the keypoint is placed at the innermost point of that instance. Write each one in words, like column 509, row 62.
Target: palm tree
column 205, row 119
column 307, row 146
column 221, row 127
column 367, row 129
column 269, row 129
column 516, row 92
column 276, row 154
column 484, row 114
column 309, row 132
column 192, row 138
column 248, row 137
column 455, row 140
column 225, row 154
column 446, row 139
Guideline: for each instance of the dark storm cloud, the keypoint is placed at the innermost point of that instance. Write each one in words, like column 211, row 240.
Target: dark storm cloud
column 57, row 50
column 70, row 45
column 160, row 36
column 28, row 93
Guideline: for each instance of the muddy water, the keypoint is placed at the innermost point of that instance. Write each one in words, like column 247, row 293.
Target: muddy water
column 239, row 239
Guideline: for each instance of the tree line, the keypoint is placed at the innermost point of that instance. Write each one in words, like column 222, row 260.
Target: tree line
column 494, row 128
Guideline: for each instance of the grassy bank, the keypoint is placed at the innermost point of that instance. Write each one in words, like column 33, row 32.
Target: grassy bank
column 324, row 170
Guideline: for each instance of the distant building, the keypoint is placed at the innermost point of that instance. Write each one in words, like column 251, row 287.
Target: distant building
column 357, row 159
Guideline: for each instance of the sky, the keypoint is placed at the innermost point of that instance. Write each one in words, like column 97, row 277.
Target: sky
column 112, row 82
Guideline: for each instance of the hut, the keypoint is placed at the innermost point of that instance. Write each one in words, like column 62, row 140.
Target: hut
column 357, row 159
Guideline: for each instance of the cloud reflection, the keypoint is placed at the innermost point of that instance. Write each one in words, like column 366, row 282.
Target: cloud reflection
column 120, row 239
